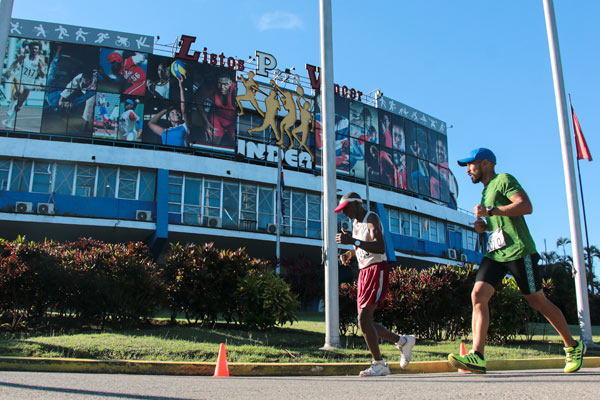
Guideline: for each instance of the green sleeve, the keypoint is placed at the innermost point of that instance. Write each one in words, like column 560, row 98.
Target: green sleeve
column 510, row 186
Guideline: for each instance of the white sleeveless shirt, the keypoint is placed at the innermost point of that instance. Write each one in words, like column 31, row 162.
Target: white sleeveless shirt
column 360, row 231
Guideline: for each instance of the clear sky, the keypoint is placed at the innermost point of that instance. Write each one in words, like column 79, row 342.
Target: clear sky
column 481, row 66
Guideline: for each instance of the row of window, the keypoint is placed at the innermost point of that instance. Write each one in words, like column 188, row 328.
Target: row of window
column 246, row 206
column 416, row 226
column 77, row 179
column 236, row 205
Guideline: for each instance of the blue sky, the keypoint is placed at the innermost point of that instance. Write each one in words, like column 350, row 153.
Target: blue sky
column 481, row 66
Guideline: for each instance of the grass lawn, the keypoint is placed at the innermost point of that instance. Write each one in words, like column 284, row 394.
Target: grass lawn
column 298, row 342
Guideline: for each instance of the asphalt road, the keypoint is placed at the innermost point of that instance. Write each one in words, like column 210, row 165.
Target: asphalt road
column 535, row 384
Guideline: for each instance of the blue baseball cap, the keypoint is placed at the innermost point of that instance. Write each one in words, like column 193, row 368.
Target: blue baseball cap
column 130, row 102
column 478, row 154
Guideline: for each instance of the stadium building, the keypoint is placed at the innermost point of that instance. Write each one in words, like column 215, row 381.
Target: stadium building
column 103, row 135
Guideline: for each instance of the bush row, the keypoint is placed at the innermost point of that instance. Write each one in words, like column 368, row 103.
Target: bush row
column 96, row 282
column 435, row 304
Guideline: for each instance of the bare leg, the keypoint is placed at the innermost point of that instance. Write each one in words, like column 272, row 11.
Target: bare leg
column 385, row 334
column 367, row 326
column 539, row 302
column 480, row 297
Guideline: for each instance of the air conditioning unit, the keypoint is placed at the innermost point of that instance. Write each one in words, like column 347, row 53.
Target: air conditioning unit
column 45, row 208
column 214, row 222
column 452, row 254
column 272, row 228
column 24, row 207
column 463, row 258
column 143, row 215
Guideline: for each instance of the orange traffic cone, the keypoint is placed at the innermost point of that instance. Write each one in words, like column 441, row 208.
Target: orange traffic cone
column 222, row 369
column 463, row 352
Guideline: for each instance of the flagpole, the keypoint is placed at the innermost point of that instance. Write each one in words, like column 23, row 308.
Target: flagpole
column 587, row 242
column 278, row 211
column 332, row 317
column 567, row 156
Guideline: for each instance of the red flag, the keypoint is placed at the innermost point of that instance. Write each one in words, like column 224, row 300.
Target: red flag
column 583, row 150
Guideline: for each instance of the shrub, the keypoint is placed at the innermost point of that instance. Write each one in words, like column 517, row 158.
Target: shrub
column 264, row 300
column 431, row 303
column 201, row 281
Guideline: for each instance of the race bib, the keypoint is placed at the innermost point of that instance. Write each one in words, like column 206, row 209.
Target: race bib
column 496, row 240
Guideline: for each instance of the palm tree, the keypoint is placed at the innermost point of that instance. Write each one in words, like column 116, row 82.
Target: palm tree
column 562, row 242
column 589, row 254
column 549, row 257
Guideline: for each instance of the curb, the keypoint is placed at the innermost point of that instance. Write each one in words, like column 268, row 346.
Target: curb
column 36, row 364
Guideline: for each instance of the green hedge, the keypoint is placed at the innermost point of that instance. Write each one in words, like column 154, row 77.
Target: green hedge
column 93, row 282
column 435, row 304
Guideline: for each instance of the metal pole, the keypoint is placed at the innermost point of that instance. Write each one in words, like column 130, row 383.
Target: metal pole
column 332, row 336
column 278, row 211
column 6, row 7
column 587, row 241
column 367, row 188
column 567, row 156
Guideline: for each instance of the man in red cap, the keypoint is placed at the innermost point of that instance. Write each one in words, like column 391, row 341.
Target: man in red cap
column 369, row 248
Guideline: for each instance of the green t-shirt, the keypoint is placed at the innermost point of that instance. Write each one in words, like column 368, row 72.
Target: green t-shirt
column 519, row 242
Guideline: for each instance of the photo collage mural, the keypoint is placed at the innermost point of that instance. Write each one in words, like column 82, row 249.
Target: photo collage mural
column 63, row 88
column 387, row 149
column 96, row 92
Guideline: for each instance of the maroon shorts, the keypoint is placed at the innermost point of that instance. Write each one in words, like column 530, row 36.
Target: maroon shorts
column 372, row 285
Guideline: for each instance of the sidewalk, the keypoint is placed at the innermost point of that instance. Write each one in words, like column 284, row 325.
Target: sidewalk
column 259, row 369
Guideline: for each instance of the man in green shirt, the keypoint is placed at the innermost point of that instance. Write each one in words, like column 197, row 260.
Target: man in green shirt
column 511, row 248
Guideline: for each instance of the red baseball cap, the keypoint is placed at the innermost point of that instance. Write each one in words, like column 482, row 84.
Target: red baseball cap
column 346, row 199
column 115, row 57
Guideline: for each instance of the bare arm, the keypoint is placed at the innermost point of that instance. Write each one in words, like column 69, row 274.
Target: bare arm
column 182, row 100
column 153, row 123
column 519, row 205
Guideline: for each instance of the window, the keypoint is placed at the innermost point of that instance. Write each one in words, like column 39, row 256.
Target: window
column 441, row 232
column 415, row 226
column 313, row 221
column 298, row 213
column 394, row 220
column 433, row 230
column 286, row 211
column 42, row 177
column 147, row 185
column 21, row 175
column 469, row 239
column 127, row 183
column 63, row 178
column 248, row 203
column 406, row 224
column 175, row 191
column 107, row 182
column 192, row 198
column 4, row 174
column 212, row 198
column 424, row 228
column 231, row 204
column 86, row 177
column 266, row 207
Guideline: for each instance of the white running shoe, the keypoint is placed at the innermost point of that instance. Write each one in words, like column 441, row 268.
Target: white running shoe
column 406, row 350
column 8, row 124
column 377, row 368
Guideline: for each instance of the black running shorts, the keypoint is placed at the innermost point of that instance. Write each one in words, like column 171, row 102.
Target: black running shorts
column 525, row 271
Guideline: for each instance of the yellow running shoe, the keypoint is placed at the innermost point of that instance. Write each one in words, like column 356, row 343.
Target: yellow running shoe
column 574, row 359
column 471, row 361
